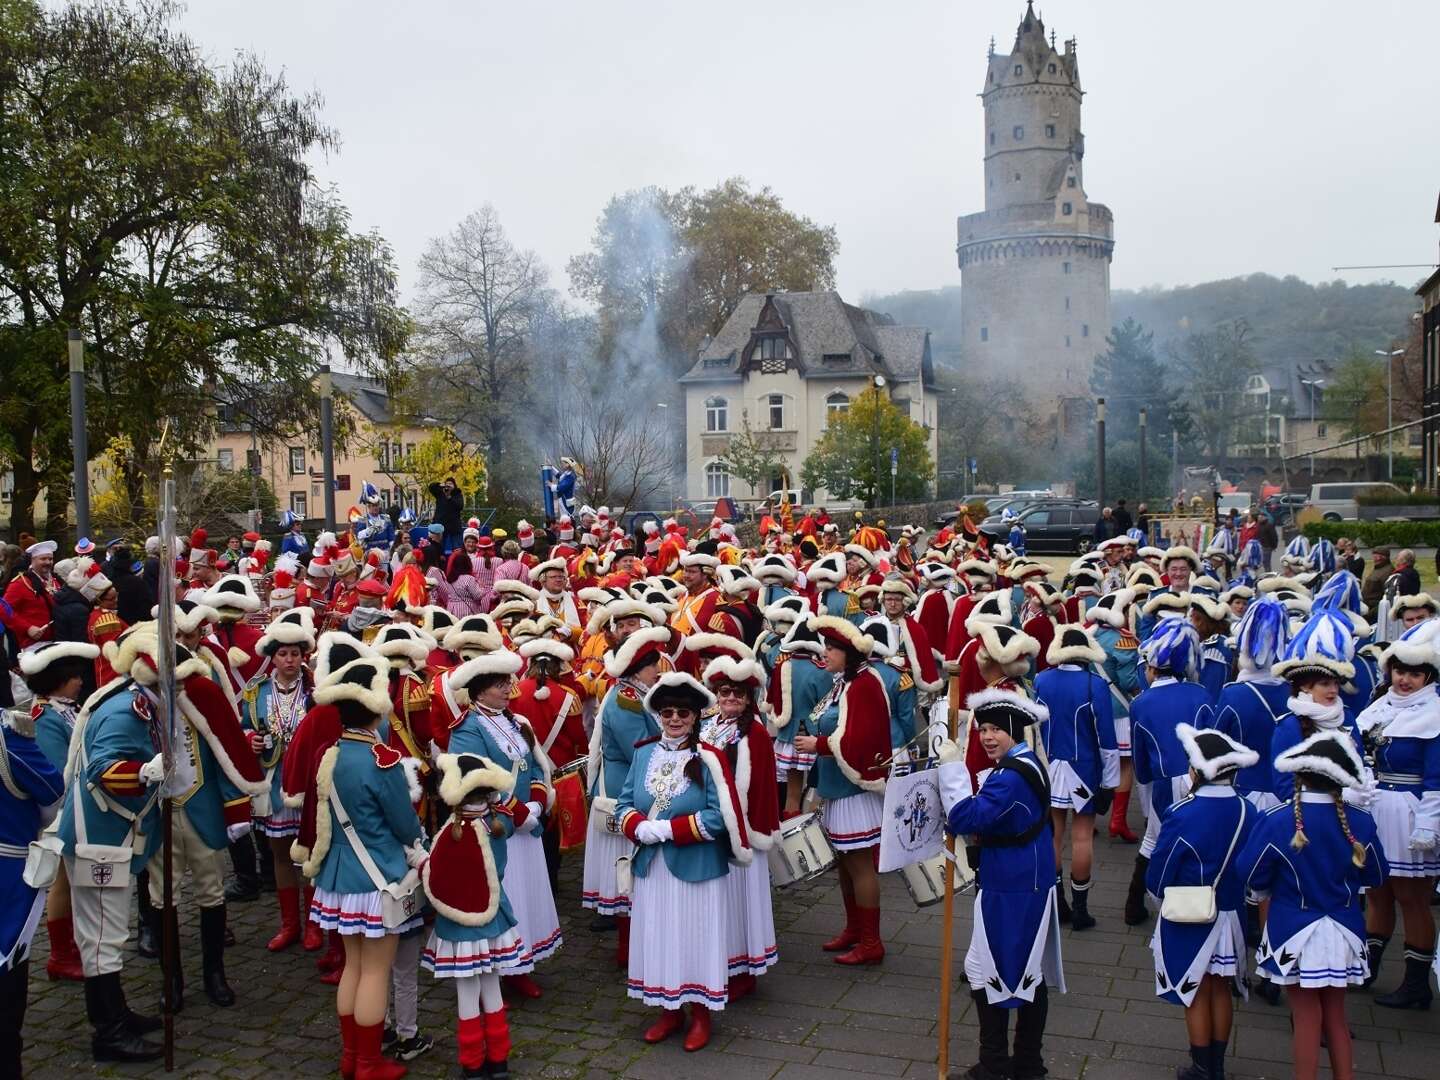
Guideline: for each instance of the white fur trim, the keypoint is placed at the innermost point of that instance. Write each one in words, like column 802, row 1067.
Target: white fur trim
column 550, row 564
column 618, row 660
column 201, row 724
column 834, row 740
column 844, row 628
column 740, row 852
column 375, row 696
column 1037, row 712
column 1087, row 653
column 908, row 640
column 1298, row 759
column 37, row 658
column 499, row 662
column 324, row 779
column 506, row 586
column 671, row 680
column 547, row 647
column 727, row 668
column 492, row 880
column 1240, row 756
column 992, row 609
column 864, row 554
column 702, row 641
column 455, row 785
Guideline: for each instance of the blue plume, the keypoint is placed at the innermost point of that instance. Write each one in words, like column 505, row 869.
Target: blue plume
column 1326, row 635
column 1299, row 547
column 1340, row 593
column 1252, row 555
column 368, row 492
column 287, row 519
column 1136, row 535
column 1263, row 633
column 1322, row 557
column 1173, row 647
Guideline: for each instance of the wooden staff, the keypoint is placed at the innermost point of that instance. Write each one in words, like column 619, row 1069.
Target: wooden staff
column 947, row 924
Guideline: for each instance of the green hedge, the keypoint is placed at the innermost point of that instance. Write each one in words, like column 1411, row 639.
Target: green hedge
column 1371, row 533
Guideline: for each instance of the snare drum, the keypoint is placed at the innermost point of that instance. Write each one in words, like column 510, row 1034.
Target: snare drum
column 803, row 851
column 572, row 811
column 925, row 880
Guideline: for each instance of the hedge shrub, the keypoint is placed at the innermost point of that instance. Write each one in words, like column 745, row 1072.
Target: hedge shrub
column 1371, row 533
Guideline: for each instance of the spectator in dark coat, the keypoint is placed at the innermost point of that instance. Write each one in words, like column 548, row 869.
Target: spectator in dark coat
column 1269, row 539
column 1349, row 557
column 1372, row 589
column 72, row 615
column 1105, row 526
column 1122, row 517
column 449, row 511
column 133, row 600
column 1409, row 578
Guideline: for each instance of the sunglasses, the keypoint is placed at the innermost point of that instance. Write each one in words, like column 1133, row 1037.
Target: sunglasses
column 673, row 713
column 730, row 691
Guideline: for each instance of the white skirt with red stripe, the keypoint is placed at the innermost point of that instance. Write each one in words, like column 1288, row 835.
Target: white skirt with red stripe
column 853, row 822
column 677, row 939
column 788, row 760
column 602, row 847
column 355, row 913
column 283, row 822
column 527, row 885
column 751, row 943
column 460, row 959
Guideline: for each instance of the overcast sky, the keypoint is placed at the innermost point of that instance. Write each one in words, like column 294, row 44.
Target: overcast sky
column 1228, row 137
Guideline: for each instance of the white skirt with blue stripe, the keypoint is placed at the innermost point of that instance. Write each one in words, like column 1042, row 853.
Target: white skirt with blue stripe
column 447, row 959
column 355, row 913
column 1394, row 814
column 678, row 939
column 1323, row 953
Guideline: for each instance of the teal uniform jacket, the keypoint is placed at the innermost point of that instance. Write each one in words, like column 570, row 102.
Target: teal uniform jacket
column 54, row 721
column 900, row 716
column 255, row 716
column 840, row 604
column 622, row 723
column 374, row 788
column 702, row 842
column 507, row 749
column 773, row 594
column 798, row 685
column 120, row 735
column 206, row 800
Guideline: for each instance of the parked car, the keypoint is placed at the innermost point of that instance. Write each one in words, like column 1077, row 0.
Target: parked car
column 1336, row 502
column 1022, row 505
column 1059, row 528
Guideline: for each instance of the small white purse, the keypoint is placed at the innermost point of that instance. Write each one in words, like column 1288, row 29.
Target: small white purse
column 1196, row 903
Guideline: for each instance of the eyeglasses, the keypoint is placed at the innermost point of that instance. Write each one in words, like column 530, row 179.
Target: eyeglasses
column 674, row 714
column 730, row 691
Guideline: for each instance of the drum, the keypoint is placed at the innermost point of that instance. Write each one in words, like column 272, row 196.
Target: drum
column 572, row 811
column 925, row 880
column 803, row 851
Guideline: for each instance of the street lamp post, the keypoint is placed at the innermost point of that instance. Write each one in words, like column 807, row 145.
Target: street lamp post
column 878, row 383
column 1100, row 451
column 1144, row 425
column 81, row 458
column 1389, row 408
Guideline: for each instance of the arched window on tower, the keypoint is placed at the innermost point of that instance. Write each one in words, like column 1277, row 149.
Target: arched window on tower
column 717, row 414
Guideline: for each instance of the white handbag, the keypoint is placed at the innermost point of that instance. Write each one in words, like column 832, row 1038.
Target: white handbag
column 1196, row 903
column 399, row 900
column 42, row 861
column 105, row 866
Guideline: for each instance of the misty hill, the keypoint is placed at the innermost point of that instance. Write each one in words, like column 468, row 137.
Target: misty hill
column 1291, row 319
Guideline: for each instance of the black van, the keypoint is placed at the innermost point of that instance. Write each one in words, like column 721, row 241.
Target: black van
column 1052, row 529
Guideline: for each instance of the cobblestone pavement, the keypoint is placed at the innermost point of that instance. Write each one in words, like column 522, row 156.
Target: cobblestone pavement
column 810, row 1018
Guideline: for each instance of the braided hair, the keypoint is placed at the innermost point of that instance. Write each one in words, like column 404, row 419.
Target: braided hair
column 1323, row 785
column 692, row 743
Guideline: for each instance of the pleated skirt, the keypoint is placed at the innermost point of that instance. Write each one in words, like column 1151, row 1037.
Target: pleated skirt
column 853, row 822
column 678, row 939
column 751, row 944
column 527, row 886
column 601, row 892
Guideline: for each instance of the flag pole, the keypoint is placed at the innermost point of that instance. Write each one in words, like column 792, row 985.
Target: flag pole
column 947, row 924
column 165, row 660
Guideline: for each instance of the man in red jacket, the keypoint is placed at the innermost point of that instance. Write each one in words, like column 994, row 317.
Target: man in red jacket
column 31, row 595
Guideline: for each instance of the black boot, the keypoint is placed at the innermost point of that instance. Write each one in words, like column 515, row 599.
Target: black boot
column 1135, row 911
column 1252, row 925
column 1080, row 917
column 1217, row 1059
column 212, row 952
column 1375, row 950
column 1266, row 990
column 267, row 865
column 170, row 926
column 1199, row 1067
column 994, row 1063
column 148, row 945
column 246, row 886
column 1061, row 907
column 113, row 1040
column 1029, row 1059
column 1414, row 989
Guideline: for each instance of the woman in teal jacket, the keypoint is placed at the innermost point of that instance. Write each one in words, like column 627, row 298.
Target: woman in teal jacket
column 679, row 802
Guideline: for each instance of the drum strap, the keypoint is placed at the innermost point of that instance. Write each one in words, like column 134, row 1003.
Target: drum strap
column 1039, row 784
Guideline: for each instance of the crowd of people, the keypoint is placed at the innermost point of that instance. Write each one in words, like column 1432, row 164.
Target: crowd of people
column 404, row 731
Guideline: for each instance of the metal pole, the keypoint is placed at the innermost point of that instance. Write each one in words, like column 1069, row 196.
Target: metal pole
column 1100, row 451
column 1174, row 463
column 1390, row 416
column 1144, row 424
column 165, row 660
column 327, row 442
column 81, row 449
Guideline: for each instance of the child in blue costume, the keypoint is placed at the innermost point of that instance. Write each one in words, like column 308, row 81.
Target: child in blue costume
column 779, row 618
column 1014, row 954
column 680, row 809
column 365, row 777
column 1317, row 663
column 1250, row 708
column 1109, row 619
column 29, row 799
column 55, row 672
column 1162, row 769
column 1083, row 759
column 798, row 683
column 1210, row 616
column 475, row 933
column 1314, row 858
column 1200, row 964
column 1403, row 728
column 826, row 573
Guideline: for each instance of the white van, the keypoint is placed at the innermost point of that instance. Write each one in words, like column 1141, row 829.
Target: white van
column 1336, row 502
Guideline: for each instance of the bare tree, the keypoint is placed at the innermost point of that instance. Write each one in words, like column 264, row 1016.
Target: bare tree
column 478, row 293
column 624, row 455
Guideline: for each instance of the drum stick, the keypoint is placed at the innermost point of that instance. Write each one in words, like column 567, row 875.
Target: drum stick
column 947, row 921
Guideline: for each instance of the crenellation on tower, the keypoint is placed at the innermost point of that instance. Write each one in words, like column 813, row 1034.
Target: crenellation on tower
column 1035, row 263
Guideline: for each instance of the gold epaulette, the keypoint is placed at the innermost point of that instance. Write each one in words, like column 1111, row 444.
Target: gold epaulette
column 417, row 693
column 108, row 622
column 718, row 623
column 629, row 700
column 906, row 682
column 852, row 604
column 1128, row 641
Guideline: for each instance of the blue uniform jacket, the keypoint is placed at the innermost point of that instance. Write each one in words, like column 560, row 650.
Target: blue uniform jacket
column 803, row 684
column 376, row 531
column 1319, row 880
column 1193, row 840
column 1081, row 728
column 1122, row 657
column 898, row 720
column 1364, row 682
column 378, row 802
column 32, row 787
column 1249, row 711
column 840, row 604
column 1154, row 746
column 54, row 723
column 120, row 736
column 773, row 594
column 1215, row 659
column 701, row 845
column 623, row 722
column 294, row 543
column 508, row 749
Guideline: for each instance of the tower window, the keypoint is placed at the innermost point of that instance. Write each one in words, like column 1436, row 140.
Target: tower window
column 1019, row 69
column 1018, row 132
column 1067, row 341
column 1084, row 329
column 1067, row 267
column 1070, row 181
column 992, row 138
column 1049, row 131
column 984, row 333
column 1017, row 177
column 1051, row 69
column 1066, row 208
column 1067, row 303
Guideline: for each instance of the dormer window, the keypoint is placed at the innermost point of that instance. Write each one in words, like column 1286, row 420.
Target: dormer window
column 1067, row 209
column 1070, row 181
column 1051, row 69
column 1019, row 69
column 771, row 351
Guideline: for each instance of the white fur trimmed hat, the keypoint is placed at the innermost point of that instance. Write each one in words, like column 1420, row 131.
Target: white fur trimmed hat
column 1214, row 754
column 734, row 581
column 774, row 568
column 543, row 646
column 499, row 662
column 461, row 774
column 365, row 680
column 1414, row 648
column 864, row 554
column 1330, row 754
column 842, row 633
column 677, row 688
column 745, row 672
column 786, row 611
column 402, row 641
column 233, row 592
column 37, row 658
column 295, row 627
column 336, row 649
column 639, row 648
column 474, row 632
column 512, row 587
column 1074, row 645
column 993, row 609
column 828, row 569
column 1009, row 710
column 1112, row 609
column 1182, row 552
column 550, row 564
column 1010, row 648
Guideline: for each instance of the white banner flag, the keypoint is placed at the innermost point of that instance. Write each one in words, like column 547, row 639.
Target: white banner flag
column 913, row 826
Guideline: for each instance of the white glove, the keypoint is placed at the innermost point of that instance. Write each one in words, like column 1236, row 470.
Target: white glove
column 954, row 783
column 1363, row 796
column 653, row 832
column 153, row 771
column 533, row 824
column 416, row 854
column 1424, row 839
column 948, row 751
column 236, row 831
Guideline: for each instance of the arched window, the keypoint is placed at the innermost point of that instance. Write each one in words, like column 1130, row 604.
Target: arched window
column 835, row 404
column 717, row 414
column 717, row 480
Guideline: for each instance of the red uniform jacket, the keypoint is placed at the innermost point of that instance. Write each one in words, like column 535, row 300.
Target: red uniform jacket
column 861, row 741
column 1042, row 628
column 243, row 638
column 33, row 606
column 933, row 613
column 555, row 718
column 754, row 767
column 957, row 635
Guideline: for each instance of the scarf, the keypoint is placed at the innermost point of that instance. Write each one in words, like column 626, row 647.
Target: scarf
column 1325, row 717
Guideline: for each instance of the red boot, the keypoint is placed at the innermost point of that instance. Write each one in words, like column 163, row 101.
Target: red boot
column 1119, row 827
column 332, row 960
column 850, row 936
column 470, row 1037
column 671, row 1021
column 370, row 1061
column 64, row 962
column 869, row 949
column 740, row 986
column 347, row 1047
column 497, row 1041
column 622, row 942
column 314, row 937
column 523, row 986
column 697, row 1036
column 289, row 900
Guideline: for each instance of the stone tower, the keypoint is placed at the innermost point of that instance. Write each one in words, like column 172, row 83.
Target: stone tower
column 1035, row 263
